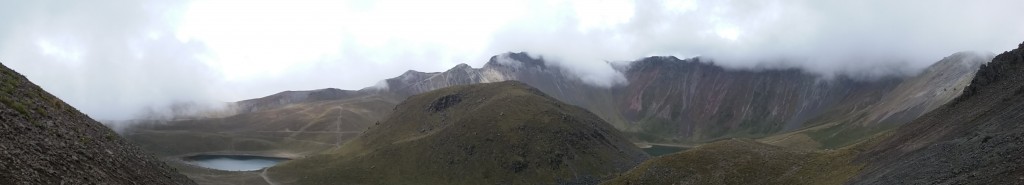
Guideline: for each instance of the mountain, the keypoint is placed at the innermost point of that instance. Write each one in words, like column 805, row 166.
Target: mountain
column 46, row 141
column 913, row 97
column 666, row 100
column 975, row 139
column 693, row 100
column 292, row 123
column 493, row 133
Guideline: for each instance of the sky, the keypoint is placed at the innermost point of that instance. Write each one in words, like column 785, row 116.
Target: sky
column 114, row 58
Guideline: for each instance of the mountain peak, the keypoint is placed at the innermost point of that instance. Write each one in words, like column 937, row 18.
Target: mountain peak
column 461, row 67
column 1003, row 66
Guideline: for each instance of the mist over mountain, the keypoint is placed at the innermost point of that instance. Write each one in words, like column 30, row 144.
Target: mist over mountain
column 225, row 51
column 511, row 92
column 971, row 140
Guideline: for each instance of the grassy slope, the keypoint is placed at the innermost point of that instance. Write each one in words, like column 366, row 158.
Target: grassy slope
column 498, row 133
column 744, row 161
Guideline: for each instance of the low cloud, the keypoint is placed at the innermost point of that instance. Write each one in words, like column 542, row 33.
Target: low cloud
column 113, row 59
column 110, row 59
column 826, row 37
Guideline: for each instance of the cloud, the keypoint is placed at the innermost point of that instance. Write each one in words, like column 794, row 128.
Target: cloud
column 825, row 37
column 111, row 58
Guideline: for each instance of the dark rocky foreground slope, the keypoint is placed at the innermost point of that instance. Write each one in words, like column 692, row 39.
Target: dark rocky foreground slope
column 978, row 138
column 495, row 133
column 46, row 141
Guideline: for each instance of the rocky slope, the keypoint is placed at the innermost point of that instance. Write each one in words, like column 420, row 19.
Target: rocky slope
column 46, row 141
column 975, row 139
column 672, row 100
column 693, row 100
column 913, row 97
column 494, row 133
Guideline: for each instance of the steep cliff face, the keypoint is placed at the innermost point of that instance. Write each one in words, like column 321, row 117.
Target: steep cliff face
column 666, row 100
column 975, row 139
column 694, row 100
column 46, row 141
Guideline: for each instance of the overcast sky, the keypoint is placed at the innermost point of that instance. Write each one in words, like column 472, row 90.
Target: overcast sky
column 111, row 58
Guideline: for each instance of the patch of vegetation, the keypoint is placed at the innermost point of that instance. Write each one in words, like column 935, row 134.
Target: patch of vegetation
column 8, row 87
column 840, row 135
column 743, row 161
column 15, row 104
